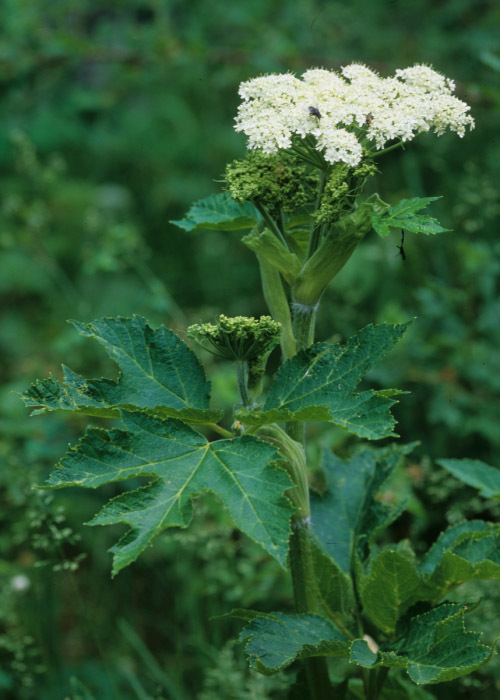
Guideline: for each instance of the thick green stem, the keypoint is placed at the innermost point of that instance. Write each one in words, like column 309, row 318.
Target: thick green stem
column 295, row 337
column 242, row 379
column 301, row 561
column 277, row 303
column 304, row 318
column 304, row 590
column 302, row 569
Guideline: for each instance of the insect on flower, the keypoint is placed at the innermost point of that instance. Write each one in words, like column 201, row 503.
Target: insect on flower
column 368, row 119
column 314, row 112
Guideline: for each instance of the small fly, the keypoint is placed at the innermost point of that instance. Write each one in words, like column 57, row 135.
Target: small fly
column 314, row 112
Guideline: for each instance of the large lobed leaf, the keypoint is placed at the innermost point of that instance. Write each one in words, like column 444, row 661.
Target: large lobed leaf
column 349, row 514
column 394, row 581
column 219, row 212
column 466, row 551
column 349, row 506
column 475, row 473
column 403, row 215
column 159, row 375
column 182, row 463
column 274, row 640
column 433, row 647
column 319, row 384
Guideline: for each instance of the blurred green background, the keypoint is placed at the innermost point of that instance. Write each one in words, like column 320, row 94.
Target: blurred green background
column 115, row 117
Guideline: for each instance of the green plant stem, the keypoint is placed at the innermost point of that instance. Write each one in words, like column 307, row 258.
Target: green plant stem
column 268, row 219
column 218, row 429
column 301, row 561
column 304, row 590
column 303, row 155
column 304, row 318
column 317, row 230
column 380, row 680
column 277, row 303
column 375, row 154
column 301, row 566
column 303, row 329
column 374, row 682
column 242, row 379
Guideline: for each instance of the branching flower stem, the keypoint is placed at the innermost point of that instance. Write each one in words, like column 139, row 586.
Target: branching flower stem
column 374, row 153
column 270, row 221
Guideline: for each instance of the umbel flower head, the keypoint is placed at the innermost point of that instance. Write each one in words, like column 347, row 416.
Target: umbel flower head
column 347, row 112
column 238, row 338
column 242, row 339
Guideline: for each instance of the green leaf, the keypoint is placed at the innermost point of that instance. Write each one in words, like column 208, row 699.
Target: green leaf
column 219, row 212
column 392, row 586
column 438, row 648
column 433, row 647
column 475, row 473
column 334, row 587
column 240, row 471
column 273, row 641
column 349, row 507
column 403, row 216
column 159, row 375
column 362, row 655
column 319, row 384
column 465, row 552
column 449, row 538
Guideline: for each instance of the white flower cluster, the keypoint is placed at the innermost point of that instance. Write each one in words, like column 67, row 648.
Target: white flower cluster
column 344, row 112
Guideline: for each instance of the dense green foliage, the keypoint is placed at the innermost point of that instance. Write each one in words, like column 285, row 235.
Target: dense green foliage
column 115, row 120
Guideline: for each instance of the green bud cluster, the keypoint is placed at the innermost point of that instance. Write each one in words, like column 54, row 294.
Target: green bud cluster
column 341, row 188
column 239, row 337
column 279, row 181
column 242, row 339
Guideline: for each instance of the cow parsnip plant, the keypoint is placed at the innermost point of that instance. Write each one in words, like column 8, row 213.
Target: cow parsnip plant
column 313, row 143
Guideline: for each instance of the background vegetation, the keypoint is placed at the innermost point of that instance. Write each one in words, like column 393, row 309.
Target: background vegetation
column 117, row 116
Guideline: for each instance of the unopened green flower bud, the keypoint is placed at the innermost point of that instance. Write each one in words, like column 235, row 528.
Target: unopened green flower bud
column 241, row 339
column 278, row 181
column 341, row 188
